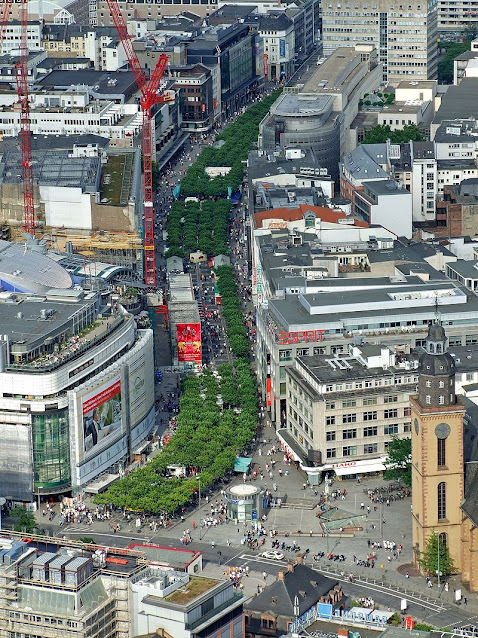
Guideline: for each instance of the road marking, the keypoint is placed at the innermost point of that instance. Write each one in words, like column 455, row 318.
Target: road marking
column 435, row 607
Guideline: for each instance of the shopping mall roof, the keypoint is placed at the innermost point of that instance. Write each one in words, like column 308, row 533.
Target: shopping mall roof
column 25, row 270
column 29, row 322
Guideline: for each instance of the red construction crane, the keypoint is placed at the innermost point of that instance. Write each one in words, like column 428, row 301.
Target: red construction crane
column 21, row 77
column 149, row 97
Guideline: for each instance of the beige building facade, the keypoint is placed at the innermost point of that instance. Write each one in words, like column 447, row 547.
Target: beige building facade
column 404, row 34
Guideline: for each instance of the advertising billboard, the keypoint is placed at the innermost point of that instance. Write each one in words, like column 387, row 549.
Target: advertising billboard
column 189, row 342
column 282, row 47
column 102, row 417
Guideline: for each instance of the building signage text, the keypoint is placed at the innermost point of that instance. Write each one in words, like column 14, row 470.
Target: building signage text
column 300, row 336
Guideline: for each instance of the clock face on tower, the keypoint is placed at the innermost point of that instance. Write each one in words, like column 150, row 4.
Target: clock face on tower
column 417, row 426
column 442, row 430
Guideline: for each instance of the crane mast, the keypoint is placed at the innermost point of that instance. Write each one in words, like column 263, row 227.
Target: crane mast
column 21, row 79
column 149, row 97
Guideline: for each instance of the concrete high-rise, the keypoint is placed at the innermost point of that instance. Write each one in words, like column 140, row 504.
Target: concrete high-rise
column 404, row 33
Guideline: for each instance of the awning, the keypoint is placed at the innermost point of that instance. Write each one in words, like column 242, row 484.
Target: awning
column 359, row 467
column 96, row 487
column 241, row 464
column 290, row 446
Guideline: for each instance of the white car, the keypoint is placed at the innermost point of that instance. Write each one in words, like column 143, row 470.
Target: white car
column 273, row 555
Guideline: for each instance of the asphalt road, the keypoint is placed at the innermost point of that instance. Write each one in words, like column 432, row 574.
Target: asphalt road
column 433, row 611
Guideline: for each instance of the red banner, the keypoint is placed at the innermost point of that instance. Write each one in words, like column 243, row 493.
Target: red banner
column 102, row 397
column 269, row 391
column 189, row 342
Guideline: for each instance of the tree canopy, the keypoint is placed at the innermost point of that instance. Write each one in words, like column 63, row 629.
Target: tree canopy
column 203, row 225
column 207, row 439
column 399, row 461
column 23, row 521
column 238, row 139
column 382, row 132
column 445, row 64
column 436, row 557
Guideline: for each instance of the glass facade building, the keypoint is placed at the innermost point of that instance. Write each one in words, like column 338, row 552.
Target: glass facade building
column 51, row 450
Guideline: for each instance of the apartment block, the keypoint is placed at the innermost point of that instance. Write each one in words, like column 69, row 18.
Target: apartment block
column 404, row 33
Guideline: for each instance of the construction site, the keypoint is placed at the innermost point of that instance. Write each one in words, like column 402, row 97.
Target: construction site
column 83, row 198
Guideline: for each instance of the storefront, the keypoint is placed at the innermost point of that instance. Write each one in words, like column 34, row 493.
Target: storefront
column 316, row 473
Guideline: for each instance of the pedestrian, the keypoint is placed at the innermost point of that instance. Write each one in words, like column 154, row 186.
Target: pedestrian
column 264, row 575
column 465, row 601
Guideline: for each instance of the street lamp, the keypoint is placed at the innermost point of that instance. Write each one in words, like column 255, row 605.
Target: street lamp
column 438, row 558
column 198, row 476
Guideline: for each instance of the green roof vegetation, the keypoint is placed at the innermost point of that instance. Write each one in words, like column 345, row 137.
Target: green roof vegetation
column 195, row 587
column 116, row 179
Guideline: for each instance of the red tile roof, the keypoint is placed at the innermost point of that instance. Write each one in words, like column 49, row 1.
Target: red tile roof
column 295, row 214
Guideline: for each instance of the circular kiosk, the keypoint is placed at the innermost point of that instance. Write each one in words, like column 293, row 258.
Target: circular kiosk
column 244, row 502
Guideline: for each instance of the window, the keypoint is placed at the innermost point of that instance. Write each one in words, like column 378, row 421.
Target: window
column 407, row 411
column 303, row 352
column 391, row 429
column 428, row 383
column 329, row 388
column 330, row 405
column 370, row 448
column 330, row 420
column 349, row 403
column 407, row 427
column 441, row 400
column 370, row 401
column 441, row 384
column 319, row 350
column 392, row 398
column 441, row 501
column 441, row 446
column 370, row 431
column 428, row 399
column 349, row 450
column 349, row 434
column 392, row 413
column 284, row 355
column 370, row 416
column 330, row 436
column 331, row 452
column 349, row 418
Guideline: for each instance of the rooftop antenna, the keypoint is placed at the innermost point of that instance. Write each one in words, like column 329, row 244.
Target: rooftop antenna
column 437, row 312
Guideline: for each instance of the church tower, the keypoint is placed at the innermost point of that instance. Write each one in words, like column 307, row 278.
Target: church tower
column 437, row 449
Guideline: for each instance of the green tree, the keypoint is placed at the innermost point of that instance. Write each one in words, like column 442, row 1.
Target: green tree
column 23, row 521
column 399, row 461
column 382, row 132
column 436, row 557
column 445, row 65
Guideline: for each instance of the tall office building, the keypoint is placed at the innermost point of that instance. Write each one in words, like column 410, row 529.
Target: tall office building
column 404, row 33
column 457, row 15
